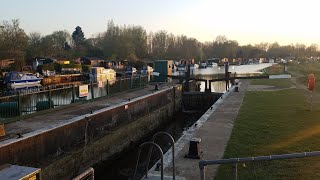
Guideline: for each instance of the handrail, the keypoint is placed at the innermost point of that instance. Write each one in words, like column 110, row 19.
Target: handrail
column 204, row 163
column 150, row 151
column 161, row 156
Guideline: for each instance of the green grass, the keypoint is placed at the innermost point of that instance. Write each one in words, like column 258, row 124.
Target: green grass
column 280, row 83
column 274, row 122
column 274, row 69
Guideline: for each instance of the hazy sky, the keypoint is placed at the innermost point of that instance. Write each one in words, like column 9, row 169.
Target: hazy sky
column 247, row 21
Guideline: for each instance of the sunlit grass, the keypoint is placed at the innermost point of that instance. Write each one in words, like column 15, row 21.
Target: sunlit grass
column 275, row 122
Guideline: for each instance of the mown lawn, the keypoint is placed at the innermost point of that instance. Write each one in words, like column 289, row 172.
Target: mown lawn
column 274, row 122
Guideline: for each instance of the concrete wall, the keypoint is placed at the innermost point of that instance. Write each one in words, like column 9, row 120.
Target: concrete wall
column 65, row 151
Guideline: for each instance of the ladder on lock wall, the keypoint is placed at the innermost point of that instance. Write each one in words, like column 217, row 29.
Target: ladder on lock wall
column 153, row 144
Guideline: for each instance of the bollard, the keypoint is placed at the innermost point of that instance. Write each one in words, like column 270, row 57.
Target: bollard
column 194, row 149
column 236, row 89
column 156, row 87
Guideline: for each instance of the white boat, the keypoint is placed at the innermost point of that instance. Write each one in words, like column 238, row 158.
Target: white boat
column 147, row 70
column 18, row 79
column 102, row 73
column 194, row 66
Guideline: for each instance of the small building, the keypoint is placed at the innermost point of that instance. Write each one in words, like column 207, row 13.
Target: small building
column 113, row 64
column 63, row 61
column 164, row 68
column 92, row 61
column 39, row 61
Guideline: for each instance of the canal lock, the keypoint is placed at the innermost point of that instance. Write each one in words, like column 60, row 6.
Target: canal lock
column 122, row 165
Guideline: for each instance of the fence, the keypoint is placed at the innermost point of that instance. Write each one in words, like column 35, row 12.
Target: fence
column 291, row 166
column 31, row 101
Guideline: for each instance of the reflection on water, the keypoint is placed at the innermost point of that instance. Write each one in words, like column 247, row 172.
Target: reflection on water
column 218, row 72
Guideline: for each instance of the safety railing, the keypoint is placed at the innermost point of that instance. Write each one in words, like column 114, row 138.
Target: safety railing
column 161, row 157
column 153, row 144
column 86, row 175
column 31, row 101
column 235, row 161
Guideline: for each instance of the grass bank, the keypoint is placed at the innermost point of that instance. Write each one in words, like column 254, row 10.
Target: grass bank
column 274, row 122
column 302, row 71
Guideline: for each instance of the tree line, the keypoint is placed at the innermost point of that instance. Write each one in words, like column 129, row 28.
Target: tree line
column 133, row 43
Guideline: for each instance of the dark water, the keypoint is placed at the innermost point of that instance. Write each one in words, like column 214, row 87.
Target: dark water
column 121, row 167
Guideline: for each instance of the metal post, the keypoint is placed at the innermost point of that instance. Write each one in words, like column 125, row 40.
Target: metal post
column 73, row 93
column 235, row 171
column 120, row 84
column 202, row 172
column 92, row 92
column 226, row 74
column 206, row 86
column 19, row 104
column 174, row 99
column 131, row 82
column 50, row 98
column 139, row 80
column 108, row 87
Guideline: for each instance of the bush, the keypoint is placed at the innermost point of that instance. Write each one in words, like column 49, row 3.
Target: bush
column 50, row 67
column 86, row 68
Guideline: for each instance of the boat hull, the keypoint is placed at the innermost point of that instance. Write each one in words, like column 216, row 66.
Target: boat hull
column 15, row 84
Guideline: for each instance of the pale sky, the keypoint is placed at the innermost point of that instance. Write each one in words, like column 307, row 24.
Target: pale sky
column 247, row 21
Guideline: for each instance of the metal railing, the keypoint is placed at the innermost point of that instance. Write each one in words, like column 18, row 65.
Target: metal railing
column 172, row 142
column 35, row 100
column 236, row 161
column 86, row 175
